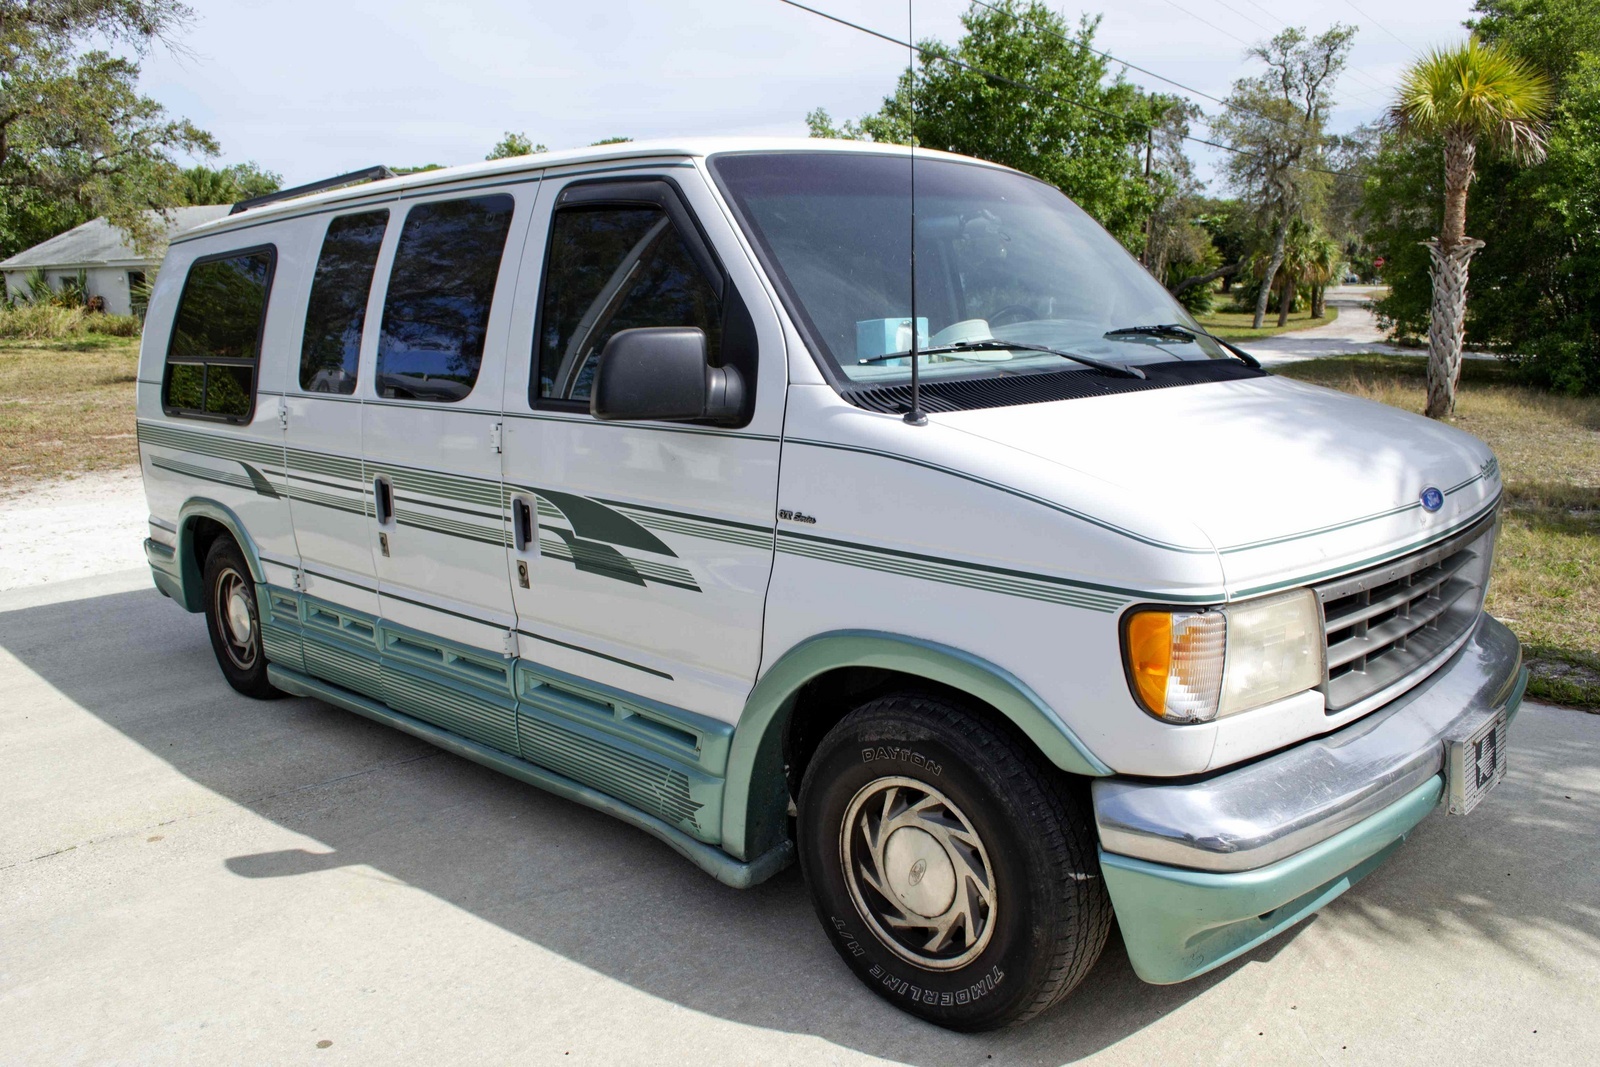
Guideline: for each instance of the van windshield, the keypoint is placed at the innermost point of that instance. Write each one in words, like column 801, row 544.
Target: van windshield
column 1000, row 257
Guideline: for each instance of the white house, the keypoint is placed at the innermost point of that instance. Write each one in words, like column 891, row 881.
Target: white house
column 109, row 264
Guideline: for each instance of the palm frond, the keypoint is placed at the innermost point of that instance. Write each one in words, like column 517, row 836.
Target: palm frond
column 1479, row 90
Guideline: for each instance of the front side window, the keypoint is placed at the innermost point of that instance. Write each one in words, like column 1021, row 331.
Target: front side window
column 337, row 309
column 436, row 311
column 1000, row 258
column 216, row 336
column 615, row 267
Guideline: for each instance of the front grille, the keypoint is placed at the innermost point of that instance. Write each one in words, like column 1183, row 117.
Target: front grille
column 1384, row 623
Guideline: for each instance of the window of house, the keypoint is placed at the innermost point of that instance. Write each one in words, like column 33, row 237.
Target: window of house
column 436, row 311
column 337, row 309
column 138, row 292
column 611, row 268
column 216, row 336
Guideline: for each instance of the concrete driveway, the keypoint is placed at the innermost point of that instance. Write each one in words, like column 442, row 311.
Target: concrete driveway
column 188, row 876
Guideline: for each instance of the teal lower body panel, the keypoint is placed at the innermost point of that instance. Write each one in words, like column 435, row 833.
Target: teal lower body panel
column 281, row 637
column 662, row 762
column 164, row 568
column 715, row 862
column 1179, row 923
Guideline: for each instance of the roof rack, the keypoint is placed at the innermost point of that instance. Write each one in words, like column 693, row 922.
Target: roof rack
column 370, row 174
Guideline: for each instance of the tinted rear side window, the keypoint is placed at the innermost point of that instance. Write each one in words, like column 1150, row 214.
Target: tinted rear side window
column 216, row 336
column 615, row 268
column 337, row 309
column 436, row 312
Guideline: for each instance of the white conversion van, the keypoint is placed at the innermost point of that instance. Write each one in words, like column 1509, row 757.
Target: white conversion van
column 594, row 467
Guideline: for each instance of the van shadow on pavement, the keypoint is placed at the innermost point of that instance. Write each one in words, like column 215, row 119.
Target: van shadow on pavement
column 620, row 903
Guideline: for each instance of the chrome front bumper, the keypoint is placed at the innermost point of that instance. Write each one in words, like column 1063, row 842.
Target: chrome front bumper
column 1262, row 812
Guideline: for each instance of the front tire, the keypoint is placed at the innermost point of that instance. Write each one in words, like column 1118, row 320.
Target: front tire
column 953, row 870
column 234, row 621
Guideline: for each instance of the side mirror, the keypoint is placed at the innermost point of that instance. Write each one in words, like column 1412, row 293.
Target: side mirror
column 661, row 372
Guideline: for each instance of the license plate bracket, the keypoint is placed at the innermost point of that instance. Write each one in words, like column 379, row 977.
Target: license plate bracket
column 1474, row 761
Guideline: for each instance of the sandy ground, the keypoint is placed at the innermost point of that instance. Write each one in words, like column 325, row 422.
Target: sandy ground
column 72, row 528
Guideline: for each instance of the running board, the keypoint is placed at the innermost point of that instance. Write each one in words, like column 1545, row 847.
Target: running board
column 715, row 862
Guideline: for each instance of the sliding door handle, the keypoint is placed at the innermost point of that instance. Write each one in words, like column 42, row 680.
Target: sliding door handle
column 383, row 500
column 522, row 528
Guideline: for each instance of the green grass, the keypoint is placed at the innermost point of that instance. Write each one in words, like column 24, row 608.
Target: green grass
column 66, row 406
column 1235, row 325
column 1546, row 583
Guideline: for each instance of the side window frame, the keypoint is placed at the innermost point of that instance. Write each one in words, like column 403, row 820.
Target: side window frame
column 389, row 260
column 659, row 191
column 372, row 289
column 261, row 332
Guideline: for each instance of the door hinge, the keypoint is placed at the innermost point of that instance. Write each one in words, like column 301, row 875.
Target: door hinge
column 494, row 436
column 283, row 413
column 300, row 581
column 510, row 645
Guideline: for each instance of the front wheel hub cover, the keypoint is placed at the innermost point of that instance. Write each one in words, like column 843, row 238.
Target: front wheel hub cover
column 918, row 873
column 239, row 617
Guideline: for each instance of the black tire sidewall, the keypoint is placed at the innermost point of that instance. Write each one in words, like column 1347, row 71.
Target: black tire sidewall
column 1001, row 982
column 223, row 556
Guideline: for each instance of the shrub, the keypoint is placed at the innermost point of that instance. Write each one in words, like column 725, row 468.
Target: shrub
column 116, row 325
column 47, row 322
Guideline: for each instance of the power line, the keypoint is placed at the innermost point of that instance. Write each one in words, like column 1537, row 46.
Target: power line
column 1265, row 12
column 1229, row 33
column 1375, row 22
column 1242, row 15
column 1230, row 105
column 1213, row 25
column 963, row 65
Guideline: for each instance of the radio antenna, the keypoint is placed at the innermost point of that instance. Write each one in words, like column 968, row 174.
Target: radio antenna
column 915, row 416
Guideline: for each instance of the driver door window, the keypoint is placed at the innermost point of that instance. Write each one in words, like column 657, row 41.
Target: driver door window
column 611, row 268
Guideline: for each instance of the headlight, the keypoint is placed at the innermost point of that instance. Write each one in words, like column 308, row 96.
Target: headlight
column 1194, row 666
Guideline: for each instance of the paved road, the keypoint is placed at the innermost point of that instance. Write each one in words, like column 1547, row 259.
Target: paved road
column 187, row 876
column 1355, row 330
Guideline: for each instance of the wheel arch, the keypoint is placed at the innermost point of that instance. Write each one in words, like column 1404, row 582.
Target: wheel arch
column 756, row 801
column 201, row 522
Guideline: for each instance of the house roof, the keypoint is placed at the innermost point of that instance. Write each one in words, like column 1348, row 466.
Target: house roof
column 98, row 242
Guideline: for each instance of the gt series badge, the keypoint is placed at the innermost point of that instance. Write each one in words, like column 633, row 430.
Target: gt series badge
column 1432, row 499
column 797, row 516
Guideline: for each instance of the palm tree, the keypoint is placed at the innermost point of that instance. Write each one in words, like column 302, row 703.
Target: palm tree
column 1462, row 95
column 1323, row 261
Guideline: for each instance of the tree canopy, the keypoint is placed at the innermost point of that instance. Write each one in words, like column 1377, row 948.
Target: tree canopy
column 228, row 185
column 1275, row 122
column 77, row 139
column 1534, row 292
column 1025, row 89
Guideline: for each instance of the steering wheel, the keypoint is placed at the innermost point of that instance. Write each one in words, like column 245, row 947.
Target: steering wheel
column 1012, row 313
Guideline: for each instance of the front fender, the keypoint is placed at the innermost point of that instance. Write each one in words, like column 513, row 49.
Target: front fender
column 756, row 800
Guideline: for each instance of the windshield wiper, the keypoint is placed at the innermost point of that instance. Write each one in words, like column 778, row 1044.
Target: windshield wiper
column 1178, row 331
column 1123, row 369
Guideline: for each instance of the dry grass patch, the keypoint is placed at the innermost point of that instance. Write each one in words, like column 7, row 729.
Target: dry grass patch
column 1235, row 325
column 1546, row 583
column 66, row 407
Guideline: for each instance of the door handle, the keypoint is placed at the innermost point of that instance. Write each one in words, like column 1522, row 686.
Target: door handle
column 383, row 499
column 523, row 532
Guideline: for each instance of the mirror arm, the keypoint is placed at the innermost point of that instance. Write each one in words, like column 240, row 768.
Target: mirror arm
column 724, row 393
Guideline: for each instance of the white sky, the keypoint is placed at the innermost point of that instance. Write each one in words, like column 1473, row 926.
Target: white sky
column 312, row 89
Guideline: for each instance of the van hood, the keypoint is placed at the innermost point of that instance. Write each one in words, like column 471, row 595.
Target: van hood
column 1300, row 476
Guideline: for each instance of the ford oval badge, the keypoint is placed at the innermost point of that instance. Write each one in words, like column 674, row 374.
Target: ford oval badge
column 1432, row 499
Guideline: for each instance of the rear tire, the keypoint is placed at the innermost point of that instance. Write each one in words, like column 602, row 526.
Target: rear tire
column 954, row 871
column 234, row 621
